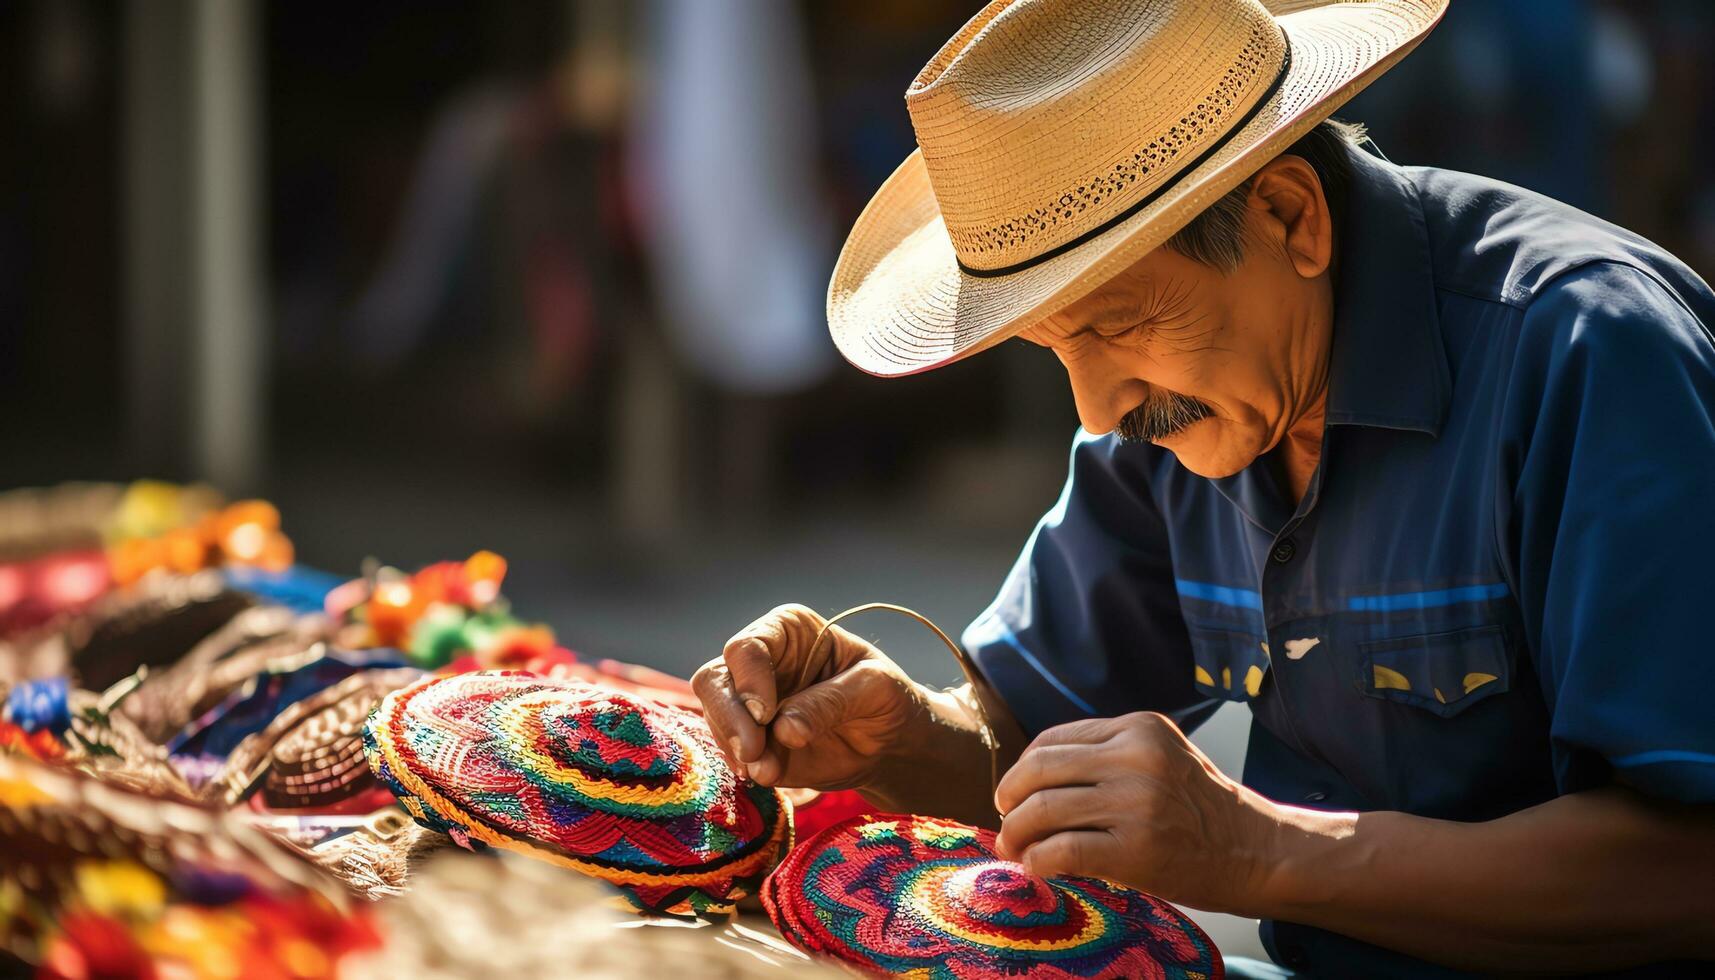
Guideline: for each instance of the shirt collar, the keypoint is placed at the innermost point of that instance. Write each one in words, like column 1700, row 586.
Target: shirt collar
column 1387, row 367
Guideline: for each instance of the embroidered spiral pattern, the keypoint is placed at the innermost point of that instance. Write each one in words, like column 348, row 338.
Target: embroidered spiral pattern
column 618, row 787
column 928, row 897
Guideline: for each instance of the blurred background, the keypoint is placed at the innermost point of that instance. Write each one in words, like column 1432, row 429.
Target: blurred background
column 547, row 278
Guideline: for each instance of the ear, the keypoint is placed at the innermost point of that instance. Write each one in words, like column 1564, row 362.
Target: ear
column 1289, row 190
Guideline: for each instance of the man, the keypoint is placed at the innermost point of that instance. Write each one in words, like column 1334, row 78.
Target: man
column 1419, row 465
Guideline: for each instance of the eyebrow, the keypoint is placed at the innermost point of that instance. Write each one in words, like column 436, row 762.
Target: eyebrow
column 1117, row 310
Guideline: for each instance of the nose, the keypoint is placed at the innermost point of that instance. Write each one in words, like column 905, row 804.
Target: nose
column 1102, row 393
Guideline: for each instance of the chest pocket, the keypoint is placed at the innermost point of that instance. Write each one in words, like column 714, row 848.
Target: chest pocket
column 1443, row 673
column 1229, row 665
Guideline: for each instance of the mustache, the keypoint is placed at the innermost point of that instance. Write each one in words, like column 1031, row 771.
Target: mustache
column 1161, row 417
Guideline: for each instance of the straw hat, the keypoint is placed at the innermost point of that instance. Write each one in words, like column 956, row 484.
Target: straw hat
column 1061, row 140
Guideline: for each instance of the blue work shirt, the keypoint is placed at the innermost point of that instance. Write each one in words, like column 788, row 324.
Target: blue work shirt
column 1493, row 591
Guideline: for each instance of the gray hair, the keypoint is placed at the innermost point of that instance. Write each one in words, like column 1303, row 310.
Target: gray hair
column 1216, row 237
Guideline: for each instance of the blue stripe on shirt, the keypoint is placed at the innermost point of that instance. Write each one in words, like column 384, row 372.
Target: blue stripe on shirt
column 1426, row 600
column 1223, row 594
column 1664, row 755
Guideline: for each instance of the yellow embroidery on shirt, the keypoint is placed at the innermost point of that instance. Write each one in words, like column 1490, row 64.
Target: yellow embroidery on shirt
column 1253, row 680
column 1204, row 679
column 1387, row 679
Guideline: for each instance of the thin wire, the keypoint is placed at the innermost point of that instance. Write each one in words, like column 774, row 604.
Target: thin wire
column 984, row 730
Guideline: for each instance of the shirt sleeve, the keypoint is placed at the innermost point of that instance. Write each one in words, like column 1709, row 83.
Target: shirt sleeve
column 1087, row 623
column 1609, row 528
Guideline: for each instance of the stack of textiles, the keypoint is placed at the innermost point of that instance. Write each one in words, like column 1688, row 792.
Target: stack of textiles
column 894, row 894
column 620, row 788
column 51, row 557
column 214, row 760
column 63, row 548
column 106, row 882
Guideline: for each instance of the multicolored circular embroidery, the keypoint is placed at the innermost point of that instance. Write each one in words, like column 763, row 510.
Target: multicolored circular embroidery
column 929, row 897
column 621, row 788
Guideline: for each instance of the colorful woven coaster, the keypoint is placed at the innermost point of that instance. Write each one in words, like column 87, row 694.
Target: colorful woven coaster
column 929, row 898
column 617, row 787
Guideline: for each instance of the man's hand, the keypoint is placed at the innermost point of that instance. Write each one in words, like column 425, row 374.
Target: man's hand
column 1130, row 799
column 844, row 716
column 787, row 716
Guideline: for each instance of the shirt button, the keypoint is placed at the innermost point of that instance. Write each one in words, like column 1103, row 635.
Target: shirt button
column 1284, row 551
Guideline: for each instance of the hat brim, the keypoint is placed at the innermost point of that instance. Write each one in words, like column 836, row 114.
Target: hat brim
column 898, row 302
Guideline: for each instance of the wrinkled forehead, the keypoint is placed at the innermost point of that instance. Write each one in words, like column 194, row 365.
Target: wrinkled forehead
column 1130, row 295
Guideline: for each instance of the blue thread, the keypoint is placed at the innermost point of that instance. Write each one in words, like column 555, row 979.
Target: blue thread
column 1427, row 600
column 1222, row 594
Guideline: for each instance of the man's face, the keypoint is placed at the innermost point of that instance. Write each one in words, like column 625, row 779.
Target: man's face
column 1214, row 366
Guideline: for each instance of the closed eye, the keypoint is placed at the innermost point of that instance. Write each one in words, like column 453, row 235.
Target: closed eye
column 1110, row 331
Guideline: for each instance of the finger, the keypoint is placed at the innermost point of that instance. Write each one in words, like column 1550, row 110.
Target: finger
column 1075, row 852
column 1048, row 767
column 756, row 653
column 749, row 658
column 770, row 767
column 819, row 709
column 737, row 734
column 1050, row 812
column 1085, row 731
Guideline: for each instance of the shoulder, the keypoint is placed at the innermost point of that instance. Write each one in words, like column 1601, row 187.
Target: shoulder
column 1608, row 352
column 1617, row 317
column 1496, row 241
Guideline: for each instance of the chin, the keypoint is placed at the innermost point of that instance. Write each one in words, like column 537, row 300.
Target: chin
column 1205, row 450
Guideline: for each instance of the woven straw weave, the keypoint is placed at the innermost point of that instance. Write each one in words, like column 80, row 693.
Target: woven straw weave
column 310, row 756
column 469, row 917
column 1059, row 141
column 171, row 697
column 929, row 898
column 624, row 789
column 52, row 819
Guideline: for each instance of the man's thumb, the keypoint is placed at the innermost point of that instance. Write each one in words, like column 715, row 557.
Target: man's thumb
column 815, row 711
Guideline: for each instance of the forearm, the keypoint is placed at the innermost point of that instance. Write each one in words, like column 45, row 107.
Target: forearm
column 1588, row 881
column 945, row 768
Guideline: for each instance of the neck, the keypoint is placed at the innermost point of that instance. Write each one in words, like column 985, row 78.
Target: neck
column 1301, row 450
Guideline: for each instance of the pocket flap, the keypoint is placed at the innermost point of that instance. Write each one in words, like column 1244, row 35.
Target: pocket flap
column 1228, row 665
column 1440, row 672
